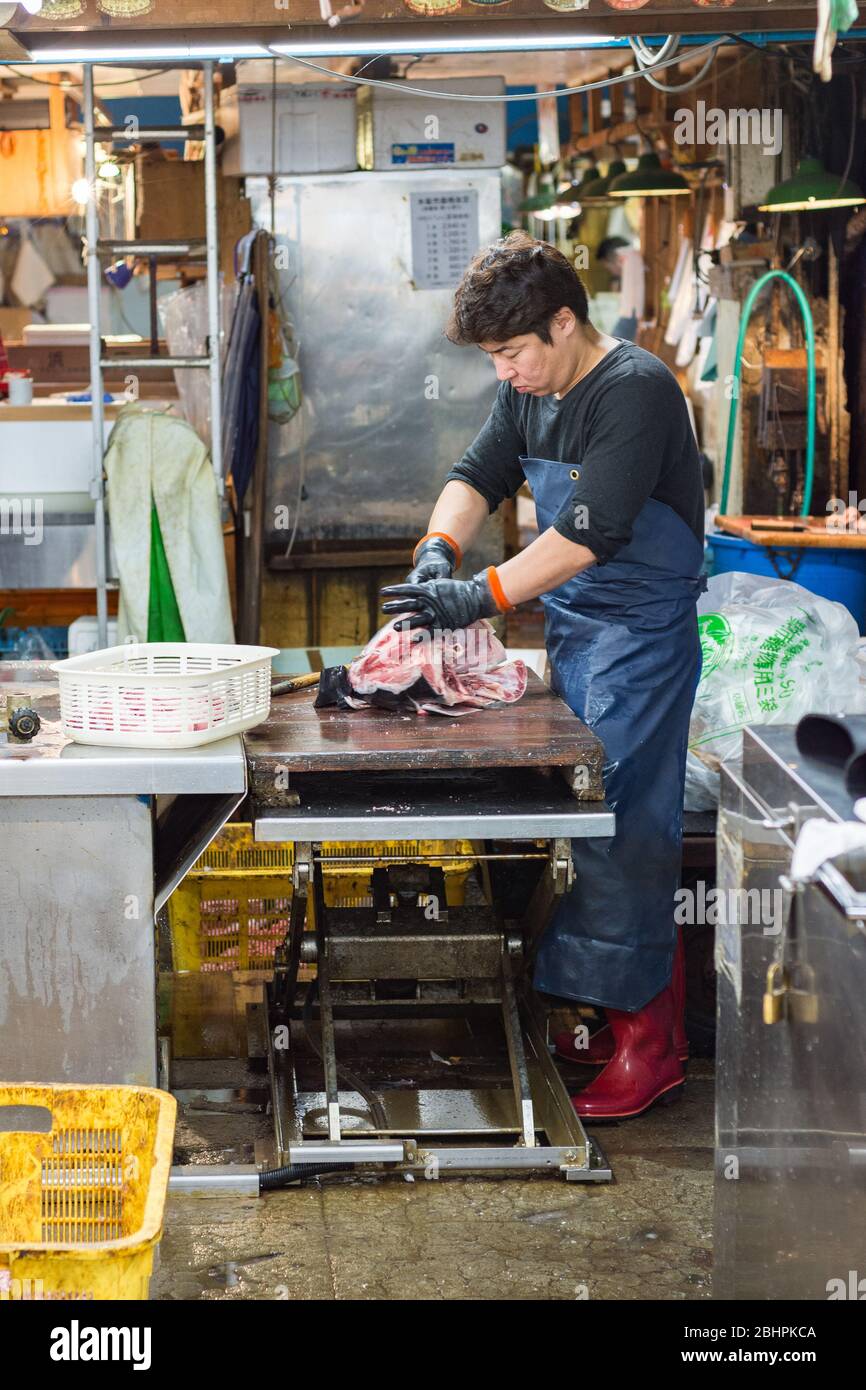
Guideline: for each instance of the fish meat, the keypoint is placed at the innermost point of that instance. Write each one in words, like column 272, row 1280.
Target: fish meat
column 450, row 673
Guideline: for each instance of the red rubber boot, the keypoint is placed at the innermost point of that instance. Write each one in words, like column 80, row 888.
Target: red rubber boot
column 599, row 1049
column 644, row 1067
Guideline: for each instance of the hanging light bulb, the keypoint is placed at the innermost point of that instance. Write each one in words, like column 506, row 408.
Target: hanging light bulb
column 595, row 190
column 564, row 203
column 811, row 189
column 109, row 169
column 649, row 180
column 81, row 192
column 123, row 9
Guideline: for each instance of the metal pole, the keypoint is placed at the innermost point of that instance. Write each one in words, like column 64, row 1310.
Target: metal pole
column 153, row 289
column 94, row 289
column 254, row 545
column 232, row 1179
column 213, row 283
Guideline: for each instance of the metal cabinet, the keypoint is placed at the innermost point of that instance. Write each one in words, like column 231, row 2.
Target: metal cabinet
column 790, row 1156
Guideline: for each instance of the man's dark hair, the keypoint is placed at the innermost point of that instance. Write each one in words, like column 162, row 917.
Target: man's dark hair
column 609, row 245
column 513, row 287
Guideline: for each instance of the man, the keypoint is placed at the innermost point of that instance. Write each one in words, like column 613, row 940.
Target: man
column 600, row 430
column 626, row 266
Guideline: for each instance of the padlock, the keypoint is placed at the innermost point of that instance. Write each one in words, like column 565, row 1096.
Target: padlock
column 802, row 996
column 774, row 993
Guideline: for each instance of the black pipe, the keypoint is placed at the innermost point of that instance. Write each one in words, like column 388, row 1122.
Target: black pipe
column 829, row 738
column 838, row 741
column 274, row 1178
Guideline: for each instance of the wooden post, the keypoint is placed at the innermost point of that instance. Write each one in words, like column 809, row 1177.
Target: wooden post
column 831, row 376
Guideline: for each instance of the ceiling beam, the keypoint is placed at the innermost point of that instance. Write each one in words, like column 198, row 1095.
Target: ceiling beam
column 11, row 48
column 46, row 43
column 239, row 14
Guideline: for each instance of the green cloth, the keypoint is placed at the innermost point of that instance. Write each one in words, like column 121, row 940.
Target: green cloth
column 163, row 617
column 711, row 366
column 843, row 14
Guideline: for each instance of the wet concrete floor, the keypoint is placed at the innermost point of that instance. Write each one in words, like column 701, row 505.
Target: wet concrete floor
column 646, row 1235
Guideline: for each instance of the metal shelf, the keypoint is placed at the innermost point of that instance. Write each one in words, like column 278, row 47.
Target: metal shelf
column 150, row 132
column 189, row 250
column 177, row 250
column 143, row 363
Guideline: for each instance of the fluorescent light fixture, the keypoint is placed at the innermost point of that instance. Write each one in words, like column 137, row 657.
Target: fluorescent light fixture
column 142, row 54
column 527, row 43
column 343, row 48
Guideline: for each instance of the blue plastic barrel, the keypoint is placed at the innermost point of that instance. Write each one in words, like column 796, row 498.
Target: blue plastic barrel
column 828, row 571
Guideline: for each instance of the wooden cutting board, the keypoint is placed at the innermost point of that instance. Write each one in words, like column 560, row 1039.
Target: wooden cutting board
column 538, row 731
column 789, row 532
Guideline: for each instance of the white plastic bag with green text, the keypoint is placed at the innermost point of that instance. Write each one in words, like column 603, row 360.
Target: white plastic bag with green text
column 772, row 652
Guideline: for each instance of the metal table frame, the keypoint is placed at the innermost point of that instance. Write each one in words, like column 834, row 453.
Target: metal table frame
column 536, row 1127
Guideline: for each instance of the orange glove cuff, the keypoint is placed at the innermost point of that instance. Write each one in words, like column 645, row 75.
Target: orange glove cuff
column 498, row 592
column 443, row 535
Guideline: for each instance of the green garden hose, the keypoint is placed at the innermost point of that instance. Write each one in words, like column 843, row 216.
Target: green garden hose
column 809, row 329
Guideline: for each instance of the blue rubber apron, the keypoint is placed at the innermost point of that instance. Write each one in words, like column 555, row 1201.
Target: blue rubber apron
column 622, row 639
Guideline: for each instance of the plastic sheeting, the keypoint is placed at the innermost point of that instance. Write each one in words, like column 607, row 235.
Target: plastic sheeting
column 185, row 320
column 772, row 652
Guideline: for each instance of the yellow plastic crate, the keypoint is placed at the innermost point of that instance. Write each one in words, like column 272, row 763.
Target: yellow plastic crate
column 84, row 1180
column 232, row 909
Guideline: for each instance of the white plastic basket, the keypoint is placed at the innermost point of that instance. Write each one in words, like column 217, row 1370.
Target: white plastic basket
column 164, row 694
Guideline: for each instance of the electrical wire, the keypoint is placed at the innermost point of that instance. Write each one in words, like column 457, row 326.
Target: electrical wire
column 655, row 55
column 854, row 95
column 840, row 58
column 647, row 60
column 616, row 80
column 68, row 84
column 374, row 1104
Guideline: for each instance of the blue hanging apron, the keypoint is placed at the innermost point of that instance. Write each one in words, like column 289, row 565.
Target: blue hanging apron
column 622, row 639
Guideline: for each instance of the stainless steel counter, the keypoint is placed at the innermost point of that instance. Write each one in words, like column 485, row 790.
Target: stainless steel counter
column 94, row 840
column 52, row 766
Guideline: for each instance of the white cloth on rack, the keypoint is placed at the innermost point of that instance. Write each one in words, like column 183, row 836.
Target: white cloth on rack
column 820, row 840
column 153, row 455
column 681, row 294
column 632, row 294
column 31, row 278
column 633, row 289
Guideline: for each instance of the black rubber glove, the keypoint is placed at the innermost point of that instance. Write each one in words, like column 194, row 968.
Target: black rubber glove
column 449, row 604
column 434, row 559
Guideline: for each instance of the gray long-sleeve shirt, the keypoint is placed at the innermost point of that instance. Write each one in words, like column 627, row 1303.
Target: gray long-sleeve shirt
column 625, row 427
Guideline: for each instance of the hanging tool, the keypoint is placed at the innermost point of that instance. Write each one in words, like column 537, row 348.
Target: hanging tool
column 293, row 683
